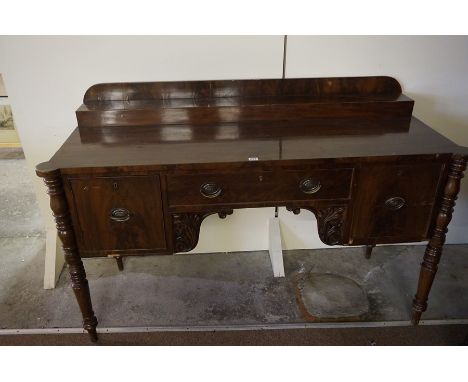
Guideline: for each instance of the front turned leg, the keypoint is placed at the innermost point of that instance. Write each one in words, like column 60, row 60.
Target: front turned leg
column 59, row 206
column 81, row 290
column 436, row 242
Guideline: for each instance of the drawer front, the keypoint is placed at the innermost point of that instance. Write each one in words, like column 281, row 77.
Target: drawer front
column 254, row 187
column 121, row 213
column 395, row 203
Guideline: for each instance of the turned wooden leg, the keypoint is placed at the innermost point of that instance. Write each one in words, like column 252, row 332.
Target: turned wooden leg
column 59, row 206
column 120, row 265
column 369, row 249
column 436, row 242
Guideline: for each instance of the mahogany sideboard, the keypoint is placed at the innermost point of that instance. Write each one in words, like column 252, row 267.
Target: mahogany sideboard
column 149, row 161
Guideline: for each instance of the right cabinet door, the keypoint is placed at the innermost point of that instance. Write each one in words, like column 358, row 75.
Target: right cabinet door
column 394, row 203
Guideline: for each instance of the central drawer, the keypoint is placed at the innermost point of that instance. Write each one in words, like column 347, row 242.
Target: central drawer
column 259, row 186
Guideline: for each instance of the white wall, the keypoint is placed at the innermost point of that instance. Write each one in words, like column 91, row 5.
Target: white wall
column 46, row 78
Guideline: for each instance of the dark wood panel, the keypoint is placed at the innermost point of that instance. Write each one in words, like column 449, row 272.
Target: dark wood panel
column 259, row 187
column 395, row 115
column 334, row 86
column 227, row 132
column 394, row 203
column 376, row 100
column 119, row 213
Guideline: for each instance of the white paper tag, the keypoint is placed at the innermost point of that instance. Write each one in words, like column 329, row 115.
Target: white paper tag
column 253, row 159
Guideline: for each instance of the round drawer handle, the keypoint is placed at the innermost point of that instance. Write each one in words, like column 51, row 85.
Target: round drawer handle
column 309, row 186
column 210, row 190
column 395, row 203
column 119, row 214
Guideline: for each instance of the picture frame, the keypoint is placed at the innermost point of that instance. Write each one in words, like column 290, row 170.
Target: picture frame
column 6, row 117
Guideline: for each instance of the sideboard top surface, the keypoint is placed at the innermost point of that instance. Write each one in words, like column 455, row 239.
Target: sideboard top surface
column 177, row 145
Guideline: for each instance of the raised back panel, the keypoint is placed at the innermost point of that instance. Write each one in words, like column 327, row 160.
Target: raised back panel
column 315, row 87
column 375, row 102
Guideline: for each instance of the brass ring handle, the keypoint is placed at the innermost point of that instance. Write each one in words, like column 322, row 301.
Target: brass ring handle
column 309, row 186
column 210, row 190
column 395, row 203
column 119, row 214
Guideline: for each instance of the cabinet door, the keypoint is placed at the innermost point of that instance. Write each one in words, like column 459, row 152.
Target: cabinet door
column 121, row 213
column 394, row 203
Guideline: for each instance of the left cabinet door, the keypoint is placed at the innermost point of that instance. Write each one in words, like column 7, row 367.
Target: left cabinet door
column 119, row 213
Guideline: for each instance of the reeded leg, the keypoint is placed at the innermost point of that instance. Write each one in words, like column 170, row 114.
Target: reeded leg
column 81, row 290
column 434, row 247
column 58, row 204
column 369, row 249
column 119, row 261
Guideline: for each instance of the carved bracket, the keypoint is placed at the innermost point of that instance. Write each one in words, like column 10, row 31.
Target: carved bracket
column 330, row 222
column 186, row 228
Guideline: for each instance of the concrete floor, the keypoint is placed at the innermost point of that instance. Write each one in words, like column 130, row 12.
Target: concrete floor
column 207, row 289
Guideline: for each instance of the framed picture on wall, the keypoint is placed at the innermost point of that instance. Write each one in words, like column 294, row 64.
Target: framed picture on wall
column 6, row 118
column 8, row 135
column 2, row 87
